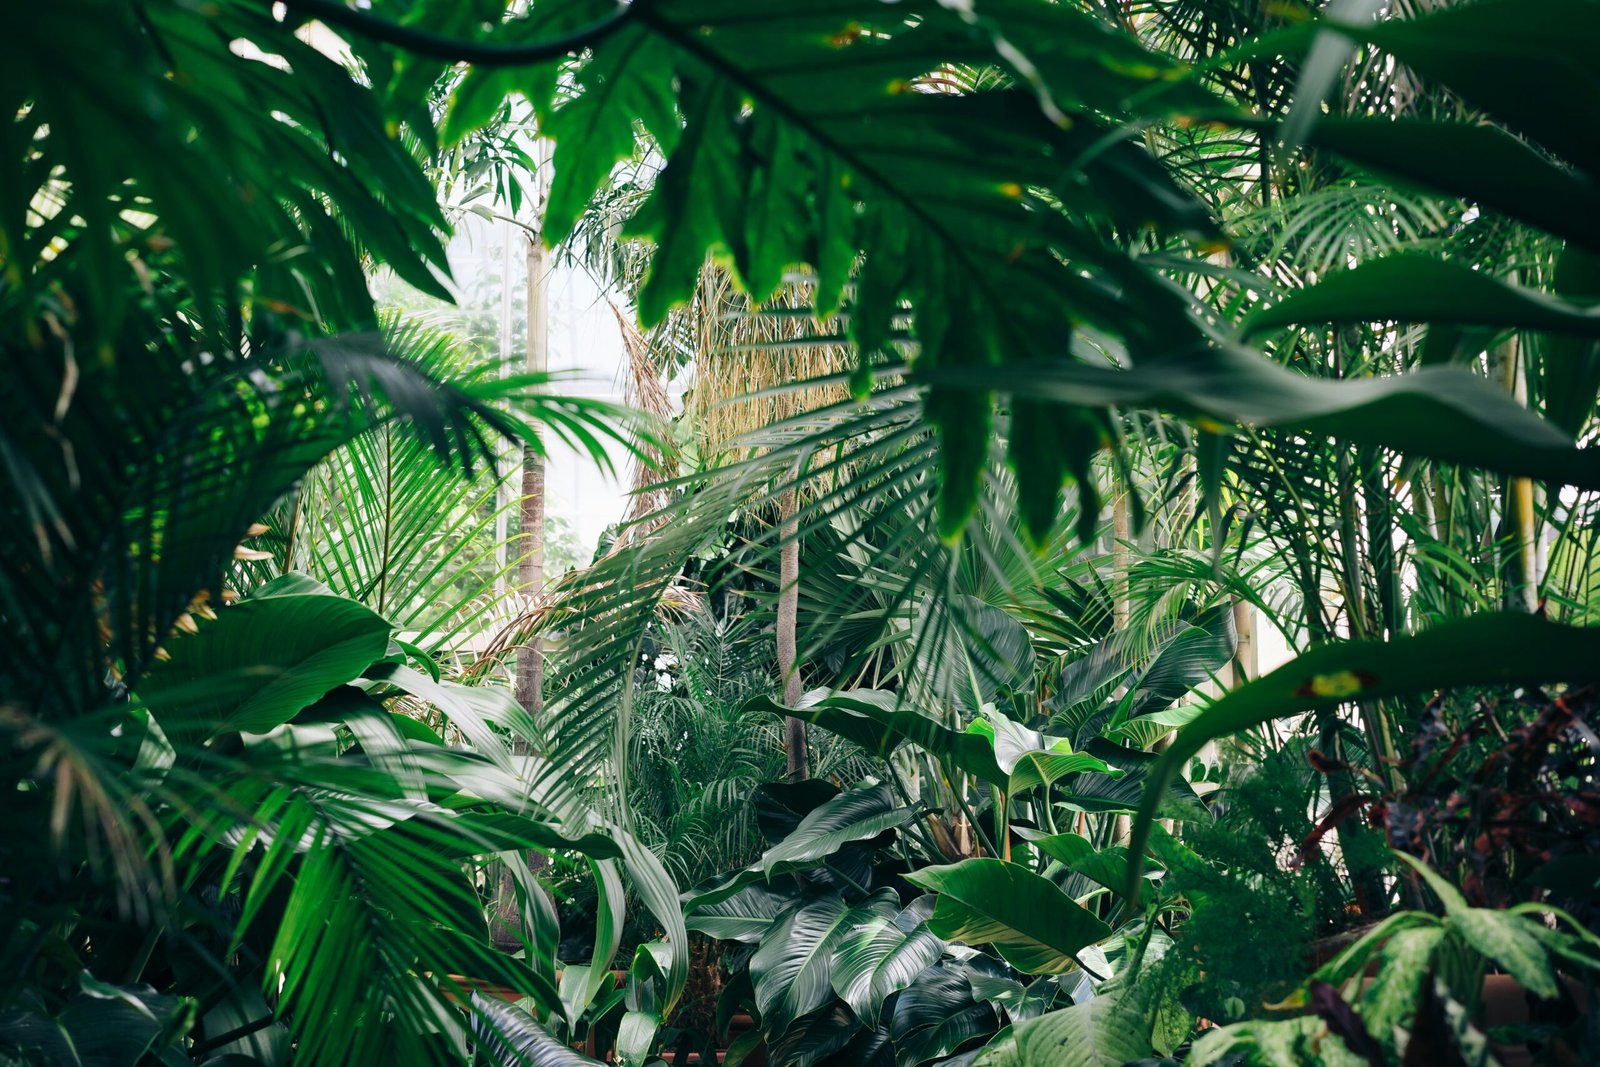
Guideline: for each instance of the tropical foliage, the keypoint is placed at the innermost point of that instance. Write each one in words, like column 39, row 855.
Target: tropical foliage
column 1042, row 361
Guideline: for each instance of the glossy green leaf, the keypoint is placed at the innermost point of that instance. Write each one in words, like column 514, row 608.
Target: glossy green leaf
column 1107, row 867
column 747, row 915
column 510, row 1035
column 814, row 1037
column 792, row 968
column 878, row 958
column 857, row 815
column 879, row 722
column 1035, row 926
column 1418, row 288
column 261, row 661
column 1107, row 1031
column 938, row 1014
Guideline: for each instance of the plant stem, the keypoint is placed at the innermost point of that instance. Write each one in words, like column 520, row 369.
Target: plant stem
column 455, row 49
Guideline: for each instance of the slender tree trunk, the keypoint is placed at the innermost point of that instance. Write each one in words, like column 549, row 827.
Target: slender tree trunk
column 1522, row 587
column 1121, row 562
column 799, row 763
column 1121, row 601
column 506, row 921
column 530, row 565
column 1244, row 652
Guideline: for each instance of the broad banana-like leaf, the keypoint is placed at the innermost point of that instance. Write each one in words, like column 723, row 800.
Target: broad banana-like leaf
column 857, row 815
column 745, row 916
column 879, row 722
column 1032, row 759
column 791, row 970
column 879, row 958
column 1032, row 923
column 1419, row 288
column 1107, row 867
column 260, row 662
column 1106, row 1031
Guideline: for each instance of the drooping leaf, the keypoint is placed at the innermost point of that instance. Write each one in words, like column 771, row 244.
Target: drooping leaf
column 1419, row 288
column 880, row 721
column 1490, row 649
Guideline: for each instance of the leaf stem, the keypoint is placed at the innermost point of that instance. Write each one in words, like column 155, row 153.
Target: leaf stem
column 456, row 49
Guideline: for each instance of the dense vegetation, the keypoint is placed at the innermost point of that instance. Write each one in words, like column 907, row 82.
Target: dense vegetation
column 1047, row 356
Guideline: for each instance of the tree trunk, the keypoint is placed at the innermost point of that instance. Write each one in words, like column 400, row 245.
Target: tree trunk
column 530, row 564
column 1121, row 562
column 1244, row 652
column 1121, row 598
column 1523, row 588
column 799, row 763
column 506, row 921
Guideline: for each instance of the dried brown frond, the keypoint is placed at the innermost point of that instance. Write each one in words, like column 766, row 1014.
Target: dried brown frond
column 744, row 352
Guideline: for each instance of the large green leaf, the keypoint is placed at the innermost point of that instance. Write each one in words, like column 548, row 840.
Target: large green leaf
column 1499, row 936
column 815, row 1037
column 1031, row 759
column 1572, row 364
column 1035, row 926
column 261, row 661
column 1449, row 46
column 1418, row 288
column 797, row 130
column 1441, row 413
column 1107, row 867
column 745, row 916
column 1491, row 649
column 510, row 1035
column 629, row 80
column 1109, row 1030
column 878, row 958
column 857, row 815
column 1479, row 163
column 938, row 1014
column 793, row 967
column 879, row 722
